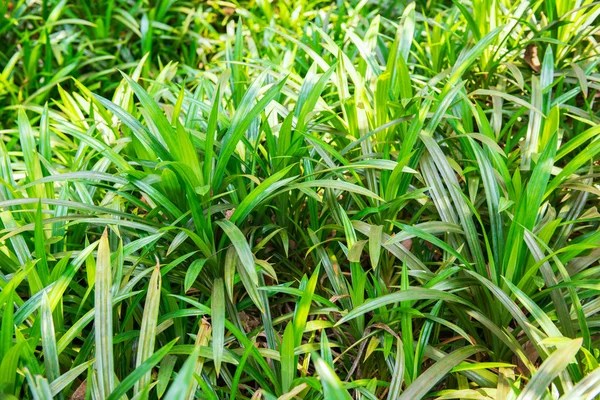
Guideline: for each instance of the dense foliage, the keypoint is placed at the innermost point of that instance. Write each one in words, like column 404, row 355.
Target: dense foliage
column 291, row 199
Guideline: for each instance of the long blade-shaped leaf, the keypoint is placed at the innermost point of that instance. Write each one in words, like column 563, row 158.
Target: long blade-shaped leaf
column 103, row 323
column 554, row 365
column 148, row 328
column 423, row 384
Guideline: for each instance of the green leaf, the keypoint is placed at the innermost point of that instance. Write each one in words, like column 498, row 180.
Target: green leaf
column 288, row 359
column 103, row 322
column 375, row 245
column 412, row 294
column 141, row 132
column 49, row 340
column 423, row 384
column 179, row 387
column 148, row 327
column 141, row 371
column 303, row 307
column 10, row 364
column 39, row 386
column 40, row 247
column 218, row 322
column 57, row 385
column 338, row 185
column 164, row 374
column 551, row 367
column 245, row 114
column 587, row 388
column 398, row 373
column 212, row 130
column 256, row 196
column 192, row 273
column 6, row 324
column 239, row 370
column 333, row 388
column 241, row 246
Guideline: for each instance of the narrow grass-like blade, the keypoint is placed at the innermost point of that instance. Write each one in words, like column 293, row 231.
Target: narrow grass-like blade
column 412, row 294
column 57, row 385
column 423, row 384
column 148, row 328
column 49, row 341
column 103, row 323
column 333, row 388
column 179, row 387
column 398, row 372
column 218, row 322
column 288, row 359
column 552, row 366
column 241, row 246
column 141, row 371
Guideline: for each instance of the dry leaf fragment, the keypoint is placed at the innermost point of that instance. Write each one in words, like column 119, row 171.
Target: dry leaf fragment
column 531, row 57
column 79, row 394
